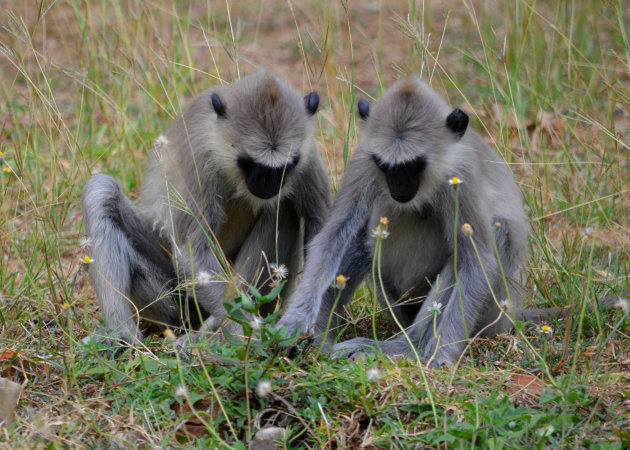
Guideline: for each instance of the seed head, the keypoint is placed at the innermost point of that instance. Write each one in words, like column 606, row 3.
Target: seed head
column 203, row 278
column 181, row 391
column 161, row 142
column 264, row 388
column 589, row 232
column 85, row 242
column 256, row 323
column 373, row 374
column 279, row 271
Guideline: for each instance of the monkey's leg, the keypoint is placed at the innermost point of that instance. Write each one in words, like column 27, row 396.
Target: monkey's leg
column 273, row 240
column 276, row 235
column 413, row 327
column 472, row 305
column 129, row 269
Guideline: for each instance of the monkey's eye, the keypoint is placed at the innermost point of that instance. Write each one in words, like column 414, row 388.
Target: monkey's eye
column 291, row 164
column 245, row 163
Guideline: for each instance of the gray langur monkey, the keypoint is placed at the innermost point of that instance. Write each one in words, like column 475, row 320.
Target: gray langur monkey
column 411, row 145
column 235, row 179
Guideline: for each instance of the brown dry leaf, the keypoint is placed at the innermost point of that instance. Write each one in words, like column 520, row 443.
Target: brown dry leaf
column 525, row 383
column 509, row 117
column 194, row 425
column 265, row 438
column 551, row 124
column 9, row 396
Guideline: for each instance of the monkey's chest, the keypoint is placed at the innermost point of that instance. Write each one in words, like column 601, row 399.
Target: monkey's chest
column 236, row 229
column 414, row 250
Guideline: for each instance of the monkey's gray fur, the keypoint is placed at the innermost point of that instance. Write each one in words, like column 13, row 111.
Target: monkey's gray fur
column 412, row 143
column 236, row 175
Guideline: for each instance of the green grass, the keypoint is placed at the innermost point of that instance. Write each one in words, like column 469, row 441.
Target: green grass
column 85, row 87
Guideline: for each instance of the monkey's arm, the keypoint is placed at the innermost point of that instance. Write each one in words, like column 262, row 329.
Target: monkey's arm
column 325, row 252
column 476, row 281
column 200, row 252
column 315, row 198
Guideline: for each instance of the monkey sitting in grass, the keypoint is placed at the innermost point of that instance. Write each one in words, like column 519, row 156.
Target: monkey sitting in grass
column 450, row 218
column 235, row 187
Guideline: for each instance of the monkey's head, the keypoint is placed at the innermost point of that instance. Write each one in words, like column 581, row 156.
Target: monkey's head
column 266, row 133
column 410, row 136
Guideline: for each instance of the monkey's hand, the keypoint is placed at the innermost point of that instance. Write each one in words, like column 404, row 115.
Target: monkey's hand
column 298, row 319
column 299, row 327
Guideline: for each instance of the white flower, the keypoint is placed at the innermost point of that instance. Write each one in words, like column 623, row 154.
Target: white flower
column 160, row 143
column 380, row 232
column 264, row 388
column 589, row 231
column 203, row 278
column 435, row 307
column 455, row 181
column 86, row 260
column 279, row 271
column 373, row 374
column 545, row 329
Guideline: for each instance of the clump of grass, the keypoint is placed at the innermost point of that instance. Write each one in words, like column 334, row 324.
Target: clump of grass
column 87, row 87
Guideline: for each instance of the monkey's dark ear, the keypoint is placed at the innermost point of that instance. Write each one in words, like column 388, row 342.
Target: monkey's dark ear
column 218, row 105
column 364, row 109
column 312, row 102
column 457, row 122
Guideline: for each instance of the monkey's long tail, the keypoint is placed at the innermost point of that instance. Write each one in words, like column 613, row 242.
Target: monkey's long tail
column 540, row 315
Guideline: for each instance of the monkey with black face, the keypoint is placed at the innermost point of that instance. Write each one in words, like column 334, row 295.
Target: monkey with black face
column 235, row 179
column 412, row 144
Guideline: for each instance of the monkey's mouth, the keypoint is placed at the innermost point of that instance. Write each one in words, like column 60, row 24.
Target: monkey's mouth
column 263, row 181
column 265, row 188
column 402, row 190
column 403, row 179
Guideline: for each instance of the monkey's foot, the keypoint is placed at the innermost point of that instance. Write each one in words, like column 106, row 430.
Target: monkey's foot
column 445, row 355
column 354, row 348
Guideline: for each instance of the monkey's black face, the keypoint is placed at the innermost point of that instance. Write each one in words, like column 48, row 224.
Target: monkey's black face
column 264, row 181
column 403, row 179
